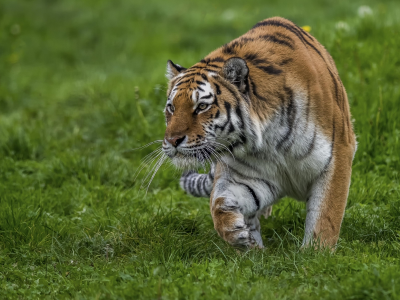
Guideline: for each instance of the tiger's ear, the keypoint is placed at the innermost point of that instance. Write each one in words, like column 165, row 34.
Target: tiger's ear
column 173, row 70
column 235, row 70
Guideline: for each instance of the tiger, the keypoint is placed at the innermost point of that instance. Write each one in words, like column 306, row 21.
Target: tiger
column 269, row 113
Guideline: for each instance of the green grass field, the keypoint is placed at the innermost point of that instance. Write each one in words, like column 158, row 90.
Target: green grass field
column 82, row 83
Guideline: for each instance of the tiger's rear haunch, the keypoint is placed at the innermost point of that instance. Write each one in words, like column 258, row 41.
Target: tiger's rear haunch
column 271, row 113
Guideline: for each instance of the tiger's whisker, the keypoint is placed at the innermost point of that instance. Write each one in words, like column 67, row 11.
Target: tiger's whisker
column 159, row 164
column 152, row 166
column 145, row 162
column 142, row 147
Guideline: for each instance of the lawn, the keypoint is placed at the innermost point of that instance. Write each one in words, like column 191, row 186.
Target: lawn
column 82, row 84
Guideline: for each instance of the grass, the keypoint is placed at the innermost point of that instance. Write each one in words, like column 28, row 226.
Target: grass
column 82, row 83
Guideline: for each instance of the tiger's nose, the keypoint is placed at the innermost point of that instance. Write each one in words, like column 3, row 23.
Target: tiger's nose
column 175, row 140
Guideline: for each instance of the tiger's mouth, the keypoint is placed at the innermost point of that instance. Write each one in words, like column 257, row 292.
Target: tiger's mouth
column 197, row 156
column 192, row 157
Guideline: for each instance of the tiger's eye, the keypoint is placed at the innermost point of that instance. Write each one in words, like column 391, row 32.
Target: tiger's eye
column 202, row 106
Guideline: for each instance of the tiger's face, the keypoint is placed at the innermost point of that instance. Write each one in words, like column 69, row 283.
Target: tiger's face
column 203, row 113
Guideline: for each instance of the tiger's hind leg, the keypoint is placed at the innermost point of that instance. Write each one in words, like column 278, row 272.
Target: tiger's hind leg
column 327, row 202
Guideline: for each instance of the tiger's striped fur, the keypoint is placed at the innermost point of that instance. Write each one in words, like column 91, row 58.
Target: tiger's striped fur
column 271, row 113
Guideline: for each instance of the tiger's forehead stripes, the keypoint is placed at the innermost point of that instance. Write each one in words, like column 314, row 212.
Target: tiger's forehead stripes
column 196, row 86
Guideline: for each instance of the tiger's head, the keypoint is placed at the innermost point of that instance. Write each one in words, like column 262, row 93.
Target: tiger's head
column 205, row 112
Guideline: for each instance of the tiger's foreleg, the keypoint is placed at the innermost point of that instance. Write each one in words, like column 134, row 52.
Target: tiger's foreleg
column 327, row 202
column 236, row 204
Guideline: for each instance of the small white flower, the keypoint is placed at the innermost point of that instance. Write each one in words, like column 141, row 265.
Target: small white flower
column 364, row 11
column 82, row 211
column 342, row 26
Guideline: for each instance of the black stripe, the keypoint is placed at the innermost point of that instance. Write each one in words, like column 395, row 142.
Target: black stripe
column 217, row 115
column 231, row 128
column 231, row 147
column 310, row 147
column 336, row 87
column 308, row 103
column 254, row 90
column 198, row 184
column 204, row 77
column 193, row 67
column 228, row 113
column 217, row 59
column 243, row 139
column 199, row 88
column 283, row 112
column 216, row 104
column 304, row 32
column 254, row 59
column 332, row 144
column 172, row 82
column 232, row 91
column 273, row 189
column 182, row 82
column 192, row 74
column 228, row 109
column 270, row 70
column 206, row 186
column 207, row 97
column 240, row 116
column 256, row 200
column 229, row 48
column 274, row 39
column 200, row 82
column 285, row 61
column 291, row 116
column 284, row 36
column 246, row 39
column 218, row 89
column 213, row 66
column 191, row 184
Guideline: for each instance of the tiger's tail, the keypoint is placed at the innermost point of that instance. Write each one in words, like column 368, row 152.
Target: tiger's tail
column 198, row 185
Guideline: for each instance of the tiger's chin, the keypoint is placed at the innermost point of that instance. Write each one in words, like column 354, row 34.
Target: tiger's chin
column 186, row 163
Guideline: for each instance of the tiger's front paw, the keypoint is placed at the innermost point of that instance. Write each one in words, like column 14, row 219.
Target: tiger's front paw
column 238, row 235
